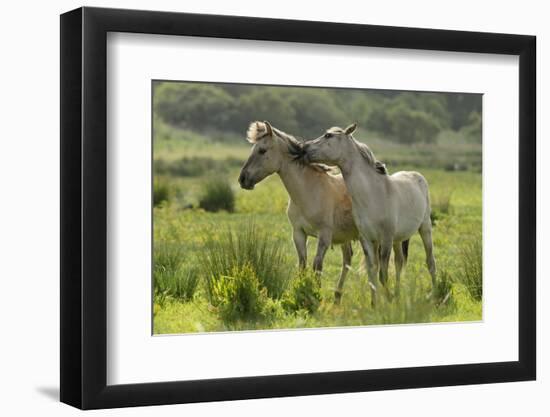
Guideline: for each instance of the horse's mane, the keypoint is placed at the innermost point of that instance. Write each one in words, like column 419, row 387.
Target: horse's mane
column 257, row 131
column 369, row 157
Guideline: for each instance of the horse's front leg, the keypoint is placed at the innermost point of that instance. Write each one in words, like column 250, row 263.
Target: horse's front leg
column 370, row 249
column 323, row 243
column 399, row 259
column 426, row 235
column 300, row 242
column 347, row 253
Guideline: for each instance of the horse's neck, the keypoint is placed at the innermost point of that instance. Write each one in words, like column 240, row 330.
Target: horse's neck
column 362, row 179
column 296, row 179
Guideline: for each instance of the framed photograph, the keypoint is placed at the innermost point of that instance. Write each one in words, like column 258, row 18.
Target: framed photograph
column 256, row 208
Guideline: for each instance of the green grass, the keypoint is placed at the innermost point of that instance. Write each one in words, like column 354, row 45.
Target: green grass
column 472, row 266
column 200, row 235
column 172, row 279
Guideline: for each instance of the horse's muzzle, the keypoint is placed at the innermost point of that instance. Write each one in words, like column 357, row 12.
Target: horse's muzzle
column 245, row 182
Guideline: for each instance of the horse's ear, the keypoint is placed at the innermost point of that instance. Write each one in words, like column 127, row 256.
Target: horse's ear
column 268, row 128
column 350, row 129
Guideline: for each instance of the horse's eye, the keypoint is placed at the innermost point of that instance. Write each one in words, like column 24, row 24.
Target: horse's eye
column 327, row 135
column 262, row 151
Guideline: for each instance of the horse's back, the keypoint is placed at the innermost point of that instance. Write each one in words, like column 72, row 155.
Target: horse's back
column 411, row 182
column 413, row 201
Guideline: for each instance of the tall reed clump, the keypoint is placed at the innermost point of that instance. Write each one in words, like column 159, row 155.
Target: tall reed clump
column 171, row 278
column 217, row 195
column 248, row 245
column 443, row 291
column 471, row 274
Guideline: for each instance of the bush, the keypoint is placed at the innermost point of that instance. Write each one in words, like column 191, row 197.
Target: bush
column 161, row 192
column 218, row 195
column 240, row 297
column 472, row 266
column 247, row 246
column 171, row 279
column 304, row 294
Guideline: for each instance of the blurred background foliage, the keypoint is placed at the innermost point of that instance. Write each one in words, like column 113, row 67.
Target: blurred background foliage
column 400, row 117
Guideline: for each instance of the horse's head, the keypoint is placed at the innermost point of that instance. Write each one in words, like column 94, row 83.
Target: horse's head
column 265, row 157
column 331, row 147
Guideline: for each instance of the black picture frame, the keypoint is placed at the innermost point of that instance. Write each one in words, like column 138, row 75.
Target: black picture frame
column 84, row 207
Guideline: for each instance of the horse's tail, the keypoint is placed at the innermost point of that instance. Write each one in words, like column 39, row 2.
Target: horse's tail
column 405, row 247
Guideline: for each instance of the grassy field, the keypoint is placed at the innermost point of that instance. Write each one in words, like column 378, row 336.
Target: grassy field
column 235, row 269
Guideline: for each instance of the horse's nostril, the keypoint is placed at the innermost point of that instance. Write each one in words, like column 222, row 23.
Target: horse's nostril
column 241, row 178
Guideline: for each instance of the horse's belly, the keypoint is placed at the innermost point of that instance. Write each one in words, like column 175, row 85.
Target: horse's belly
column 310, row 229
column 343, row 236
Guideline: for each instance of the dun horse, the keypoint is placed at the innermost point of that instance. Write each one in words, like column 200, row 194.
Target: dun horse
column 319, row 203
column 388, row 209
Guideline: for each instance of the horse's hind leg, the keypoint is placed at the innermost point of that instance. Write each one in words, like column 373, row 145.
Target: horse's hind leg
column 426, row 235
column 300, row 241
column 347, row 253
column 399, row 260
column 385, row 253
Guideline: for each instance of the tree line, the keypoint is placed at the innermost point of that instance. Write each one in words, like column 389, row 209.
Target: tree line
column 404, row 117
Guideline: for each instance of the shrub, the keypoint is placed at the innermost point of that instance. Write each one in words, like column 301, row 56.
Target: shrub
column 171, row 279
column 218, row 195
column 250, row 246
column 304, row 294
column 241, row 297
column 161, row 192
column 472, row 266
